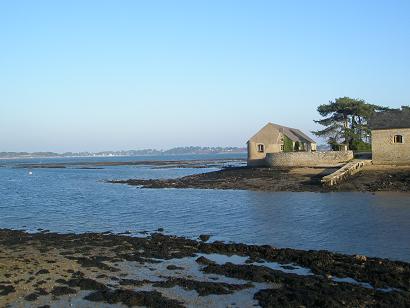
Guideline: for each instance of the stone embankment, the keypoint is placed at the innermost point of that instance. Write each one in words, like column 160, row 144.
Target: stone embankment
column 308, row 159
column 345, row 172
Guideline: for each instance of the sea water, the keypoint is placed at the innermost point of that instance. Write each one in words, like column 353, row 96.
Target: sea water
column 80, row 200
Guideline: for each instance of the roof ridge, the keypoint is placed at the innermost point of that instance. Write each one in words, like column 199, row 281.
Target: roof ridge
column 295, row 134
column 388, row 119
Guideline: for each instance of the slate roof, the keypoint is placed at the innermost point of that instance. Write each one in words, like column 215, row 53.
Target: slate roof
column 293, row 134
column 391, row 119
column 302, row 135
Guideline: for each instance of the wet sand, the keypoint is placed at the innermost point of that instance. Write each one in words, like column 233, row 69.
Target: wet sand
column 371, row 178
column 159, row 270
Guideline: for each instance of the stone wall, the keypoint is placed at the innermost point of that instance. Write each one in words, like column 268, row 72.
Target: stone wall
column 257, row 159
column 307, row 159
column 385, row 151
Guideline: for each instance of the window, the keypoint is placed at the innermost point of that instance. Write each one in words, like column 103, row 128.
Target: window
column 398, row 139
column 282, row 147
column 261, row 148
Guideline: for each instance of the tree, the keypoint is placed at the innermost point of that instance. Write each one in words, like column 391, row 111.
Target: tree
column 346, row 121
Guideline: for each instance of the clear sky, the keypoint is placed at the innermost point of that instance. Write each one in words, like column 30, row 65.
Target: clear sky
column 107, row 75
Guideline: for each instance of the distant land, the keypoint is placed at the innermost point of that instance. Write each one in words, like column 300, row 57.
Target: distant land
column 173, row 151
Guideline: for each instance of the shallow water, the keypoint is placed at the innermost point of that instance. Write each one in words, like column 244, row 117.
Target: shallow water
column 77, row 200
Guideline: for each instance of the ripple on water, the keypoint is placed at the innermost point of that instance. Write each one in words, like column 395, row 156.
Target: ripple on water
column 77, row 200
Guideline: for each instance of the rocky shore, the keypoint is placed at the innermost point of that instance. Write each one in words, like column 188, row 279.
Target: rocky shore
column 156, row 270
column 371, row 178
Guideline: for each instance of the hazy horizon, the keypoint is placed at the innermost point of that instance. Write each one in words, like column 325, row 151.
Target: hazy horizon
column 124, row 150
column 101, row 75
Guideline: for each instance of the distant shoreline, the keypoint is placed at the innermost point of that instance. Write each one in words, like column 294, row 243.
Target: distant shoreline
column 162, row 164
column 132, row 153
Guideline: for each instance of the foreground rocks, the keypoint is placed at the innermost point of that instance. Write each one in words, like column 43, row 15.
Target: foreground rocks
column 167, row 271
column 371, row 178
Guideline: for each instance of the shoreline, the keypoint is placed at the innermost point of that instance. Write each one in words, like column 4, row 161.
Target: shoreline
column 120, row 156
column 297, row 179
column 232, row 174
column 158, row 270
column 194, row 163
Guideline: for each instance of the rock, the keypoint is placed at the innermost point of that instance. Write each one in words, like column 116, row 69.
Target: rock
column 132, row 298
column 360, row 258
column 42, row 272
column 31, row 297
column 6, row 289
column 85, row 284
column 58, row 291
column 174, row 267
column 203, row 288
column 204, row 237
column 204, row 261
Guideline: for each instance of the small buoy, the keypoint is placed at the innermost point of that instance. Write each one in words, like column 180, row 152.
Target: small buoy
column 30, row 173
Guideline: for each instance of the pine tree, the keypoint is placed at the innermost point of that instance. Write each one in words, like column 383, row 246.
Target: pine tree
column 346, row 121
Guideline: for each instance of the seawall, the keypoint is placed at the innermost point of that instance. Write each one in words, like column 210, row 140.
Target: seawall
column 307, row 159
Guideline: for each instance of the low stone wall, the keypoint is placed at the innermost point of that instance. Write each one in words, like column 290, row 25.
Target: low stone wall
column 344, row 173
column 256, row 163
column 307, row 159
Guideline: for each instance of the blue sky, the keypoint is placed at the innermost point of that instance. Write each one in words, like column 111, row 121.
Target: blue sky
column 106, row 75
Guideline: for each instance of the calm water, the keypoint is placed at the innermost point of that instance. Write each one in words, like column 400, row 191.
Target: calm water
column 77, row 200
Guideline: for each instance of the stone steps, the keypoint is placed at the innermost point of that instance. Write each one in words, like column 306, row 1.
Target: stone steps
column 345, row 172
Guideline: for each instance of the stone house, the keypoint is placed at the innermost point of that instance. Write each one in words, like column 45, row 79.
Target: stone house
column 391, row 136
column 274, row 138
